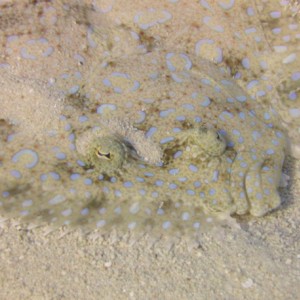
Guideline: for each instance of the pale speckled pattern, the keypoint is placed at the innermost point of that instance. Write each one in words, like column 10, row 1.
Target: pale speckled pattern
column 239, row 79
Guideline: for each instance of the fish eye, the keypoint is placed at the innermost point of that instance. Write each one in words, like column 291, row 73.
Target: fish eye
column 103, row 155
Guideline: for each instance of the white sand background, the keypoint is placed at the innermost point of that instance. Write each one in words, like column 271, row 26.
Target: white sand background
column 259, row 260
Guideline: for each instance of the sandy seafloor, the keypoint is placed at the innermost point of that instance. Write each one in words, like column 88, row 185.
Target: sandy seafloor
column 258, row 260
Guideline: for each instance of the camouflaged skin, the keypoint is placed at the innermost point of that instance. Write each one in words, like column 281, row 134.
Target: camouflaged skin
column 231, row 71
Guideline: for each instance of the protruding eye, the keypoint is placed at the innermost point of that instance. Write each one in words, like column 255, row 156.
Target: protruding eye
column 103, row 155
column 211, row 141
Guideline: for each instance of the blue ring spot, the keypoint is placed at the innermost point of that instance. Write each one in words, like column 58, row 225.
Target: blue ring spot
column 166, row 225
column 166, row 140
column 159, row 183
column 75, row 176
column 193, row 168
column 190, row 192
column 197, row 184
column 206, row 102
column 185, row 216
column 174, row 171
column 84, row 211
column 128, row 184
column 103, row 107
column 34, row 155
column 172, row 186
column 16, row 173
column 88, row 181
column 212, row 192
column 101, row 223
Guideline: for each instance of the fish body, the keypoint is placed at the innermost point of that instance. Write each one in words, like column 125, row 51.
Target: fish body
column 192, row 115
